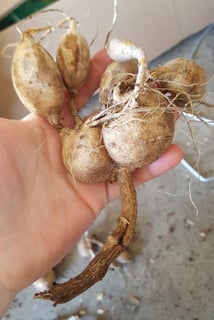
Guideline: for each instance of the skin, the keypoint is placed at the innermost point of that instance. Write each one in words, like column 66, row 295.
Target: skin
column 43, row 212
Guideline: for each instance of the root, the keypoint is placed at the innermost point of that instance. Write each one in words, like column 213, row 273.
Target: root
column 118, row 108
column 5, row 49
column 196, row 149
column 191, row 199
column 207, row 104
column 32, row 31
column 77, row 119
column 46, row 29
column 114, row 20
column 116, row 243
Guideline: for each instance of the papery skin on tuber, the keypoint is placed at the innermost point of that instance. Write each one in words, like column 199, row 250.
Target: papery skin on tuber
column 85, row 156
column 37, row 80
column 73, row 58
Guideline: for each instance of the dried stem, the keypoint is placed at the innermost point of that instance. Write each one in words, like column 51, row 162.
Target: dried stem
column 77, row 120
column 116, row 243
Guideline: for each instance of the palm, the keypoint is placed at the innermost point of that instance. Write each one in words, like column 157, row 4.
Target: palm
column 43, row 211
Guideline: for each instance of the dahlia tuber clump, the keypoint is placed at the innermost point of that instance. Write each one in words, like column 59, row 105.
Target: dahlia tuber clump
column 134, row 126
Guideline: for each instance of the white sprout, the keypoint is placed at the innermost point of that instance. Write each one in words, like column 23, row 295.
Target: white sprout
column 121, row 51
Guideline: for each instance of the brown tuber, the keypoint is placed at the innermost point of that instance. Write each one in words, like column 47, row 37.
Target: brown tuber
column 85, row 156
column 151, row 127
column 73, row 58
column 36, row 79
column 185, row 79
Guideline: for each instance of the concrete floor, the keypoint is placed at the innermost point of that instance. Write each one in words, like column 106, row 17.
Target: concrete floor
column 171, row 275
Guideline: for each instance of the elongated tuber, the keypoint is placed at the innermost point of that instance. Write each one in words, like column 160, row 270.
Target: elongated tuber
column 73, row 58
column 36, row 79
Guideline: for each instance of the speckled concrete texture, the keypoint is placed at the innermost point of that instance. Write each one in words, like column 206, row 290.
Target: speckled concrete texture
column 171, row 274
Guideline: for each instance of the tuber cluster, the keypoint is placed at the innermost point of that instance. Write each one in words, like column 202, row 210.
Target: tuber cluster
column 133, row 127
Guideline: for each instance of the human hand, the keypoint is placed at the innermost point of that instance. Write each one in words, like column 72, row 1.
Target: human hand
column 42, row 211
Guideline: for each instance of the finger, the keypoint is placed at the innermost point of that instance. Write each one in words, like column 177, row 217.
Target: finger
column 98, row 65
column 168, row 160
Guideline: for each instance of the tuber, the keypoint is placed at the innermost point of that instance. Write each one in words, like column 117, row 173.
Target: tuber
column 85, row 156
column 73, row 57
column 36, row 79
column 152, row 127
column 185, row 79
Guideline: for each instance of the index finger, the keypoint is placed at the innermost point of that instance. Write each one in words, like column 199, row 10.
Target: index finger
column 98, row 64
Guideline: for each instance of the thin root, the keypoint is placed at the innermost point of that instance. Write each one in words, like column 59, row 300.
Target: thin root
column 207, row 104
column 4, row 52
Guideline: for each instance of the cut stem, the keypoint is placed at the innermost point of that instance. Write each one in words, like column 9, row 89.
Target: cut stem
column 116, row 243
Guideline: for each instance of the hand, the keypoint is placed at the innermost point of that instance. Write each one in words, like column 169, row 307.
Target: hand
column 42, row 212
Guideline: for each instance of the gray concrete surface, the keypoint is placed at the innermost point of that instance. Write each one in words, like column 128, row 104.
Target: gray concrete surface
column 171, row 276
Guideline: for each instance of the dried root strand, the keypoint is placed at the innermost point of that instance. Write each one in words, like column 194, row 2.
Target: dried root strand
column 116, row 243
column 207, row 104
